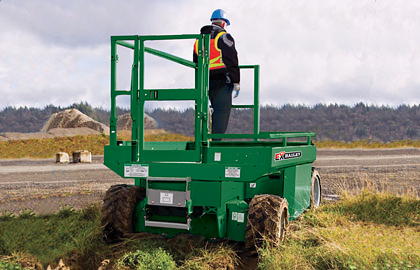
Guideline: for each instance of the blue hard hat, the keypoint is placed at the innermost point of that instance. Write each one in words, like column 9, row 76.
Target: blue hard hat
column 219, row 14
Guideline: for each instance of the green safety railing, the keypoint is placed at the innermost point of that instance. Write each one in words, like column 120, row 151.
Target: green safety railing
column 138, row 95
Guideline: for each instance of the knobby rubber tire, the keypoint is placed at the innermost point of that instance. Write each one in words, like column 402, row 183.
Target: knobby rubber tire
column 315, row 179
column 268, row 219
column 118, row 209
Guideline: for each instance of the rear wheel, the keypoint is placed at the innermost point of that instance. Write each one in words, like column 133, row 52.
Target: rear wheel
column 268, row 218
column 118, row 209
column 315, row 189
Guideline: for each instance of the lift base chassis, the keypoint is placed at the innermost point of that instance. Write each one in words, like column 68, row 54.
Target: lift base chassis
column 211, row 198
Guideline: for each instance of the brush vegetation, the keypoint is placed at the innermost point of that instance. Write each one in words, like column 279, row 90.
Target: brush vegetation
column 366, row 231
column 47, row 148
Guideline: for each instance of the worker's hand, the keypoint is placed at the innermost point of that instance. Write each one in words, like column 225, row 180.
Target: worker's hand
column 236, row 88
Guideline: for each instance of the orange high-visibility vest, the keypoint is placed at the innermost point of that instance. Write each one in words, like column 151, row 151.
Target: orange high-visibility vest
column 216, row 61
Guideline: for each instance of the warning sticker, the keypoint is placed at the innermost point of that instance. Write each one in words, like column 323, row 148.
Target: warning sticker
column 217, row 156
column 136, row 170
column 166, row 198
column 241, row 217
column 232, row 172
column 235, row 216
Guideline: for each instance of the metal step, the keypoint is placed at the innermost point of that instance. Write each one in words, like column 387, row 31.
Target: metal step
column 169, row 225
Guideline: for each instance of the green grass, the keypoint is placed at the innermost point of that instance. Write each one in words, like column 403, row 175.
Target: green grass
column 50, row 237
column 368, row 231
column 75, row 236
column 153, row 259
column 4, row 265
column 19, row 261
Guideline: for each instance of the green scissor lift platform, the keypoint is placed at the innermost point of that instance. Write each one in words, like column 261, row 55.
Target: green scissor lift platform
column 218, row 189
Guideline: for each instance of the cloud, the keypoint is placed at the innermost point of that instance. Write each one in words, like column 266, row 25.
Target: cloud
column 309, row 51
column 41, row 74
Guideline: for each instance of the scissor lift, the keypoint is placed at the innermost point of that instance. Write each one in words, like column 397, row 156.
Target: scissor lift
column 218, row 189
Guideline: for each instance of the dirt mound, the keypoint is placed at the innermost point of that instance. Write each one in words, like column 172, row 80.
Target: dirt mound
column 125, row 122
column 73, row 118
column 72, row 122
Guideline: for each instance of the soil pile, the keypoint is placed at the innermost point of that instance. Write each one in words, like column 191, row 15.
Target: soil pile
column 72, row 122
column 125, row 122
column 73, row 118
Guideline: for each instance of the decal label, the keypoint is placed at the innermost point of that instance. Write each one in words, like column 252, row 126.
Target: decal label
column 136, row 170
column 287, row 155
column 253, row 185
column 241, row 217
column 166, row 197
column 238, row 217
column 232, row 172
column 217, row 156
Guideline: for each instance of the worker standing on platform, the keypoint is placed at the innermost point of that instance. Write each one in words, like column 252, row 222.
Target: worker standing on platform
column 224, row 70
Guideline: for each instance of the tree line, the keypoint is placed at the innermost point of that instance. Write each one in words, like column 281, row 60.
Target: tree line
column 329, row 122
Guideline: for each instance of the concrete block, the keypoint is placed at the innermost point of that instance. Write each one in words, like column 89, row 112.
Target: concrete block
column 62, row 157
column 83, row 156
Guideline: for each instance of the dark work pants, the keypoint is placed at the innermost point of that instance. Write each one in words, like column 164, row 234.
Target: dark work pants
column 220, row 94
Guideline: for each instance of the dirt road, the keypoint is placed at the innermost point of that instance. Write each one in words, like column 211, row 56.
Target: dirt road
column 44, row 186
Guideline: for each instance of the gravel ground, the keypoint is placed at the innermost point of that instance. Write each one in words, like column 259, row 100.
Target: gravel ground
column 45, row 187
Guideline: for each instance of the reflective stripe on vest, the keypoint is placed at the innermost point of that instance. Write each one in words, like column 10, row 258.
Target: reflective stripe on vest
column 216, row 61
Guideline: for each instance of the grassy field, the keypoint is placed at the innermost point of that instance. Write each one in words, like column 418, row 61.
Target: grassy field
column 367, row 144
column 47, row 148
column 368, row 231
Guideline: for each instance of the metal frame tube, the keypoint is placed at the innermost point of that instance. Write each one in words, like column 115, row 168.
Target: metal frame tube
column 139, row 95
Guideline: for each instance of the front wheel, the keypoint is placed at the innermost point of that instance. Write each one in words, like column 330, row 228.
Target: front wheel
column 268, row 218
column 118, row 209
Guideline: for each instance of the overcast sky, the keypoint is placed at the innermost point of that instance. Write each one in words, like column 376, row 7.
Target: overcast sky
column 327, row 51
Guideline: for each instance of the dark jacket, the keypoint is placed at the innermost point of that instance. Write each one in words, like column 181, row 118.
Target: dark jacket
column 226, row 44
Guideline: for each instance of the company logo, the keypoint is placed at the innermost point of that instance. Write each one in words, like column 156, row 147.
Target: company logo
column 283, row 155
